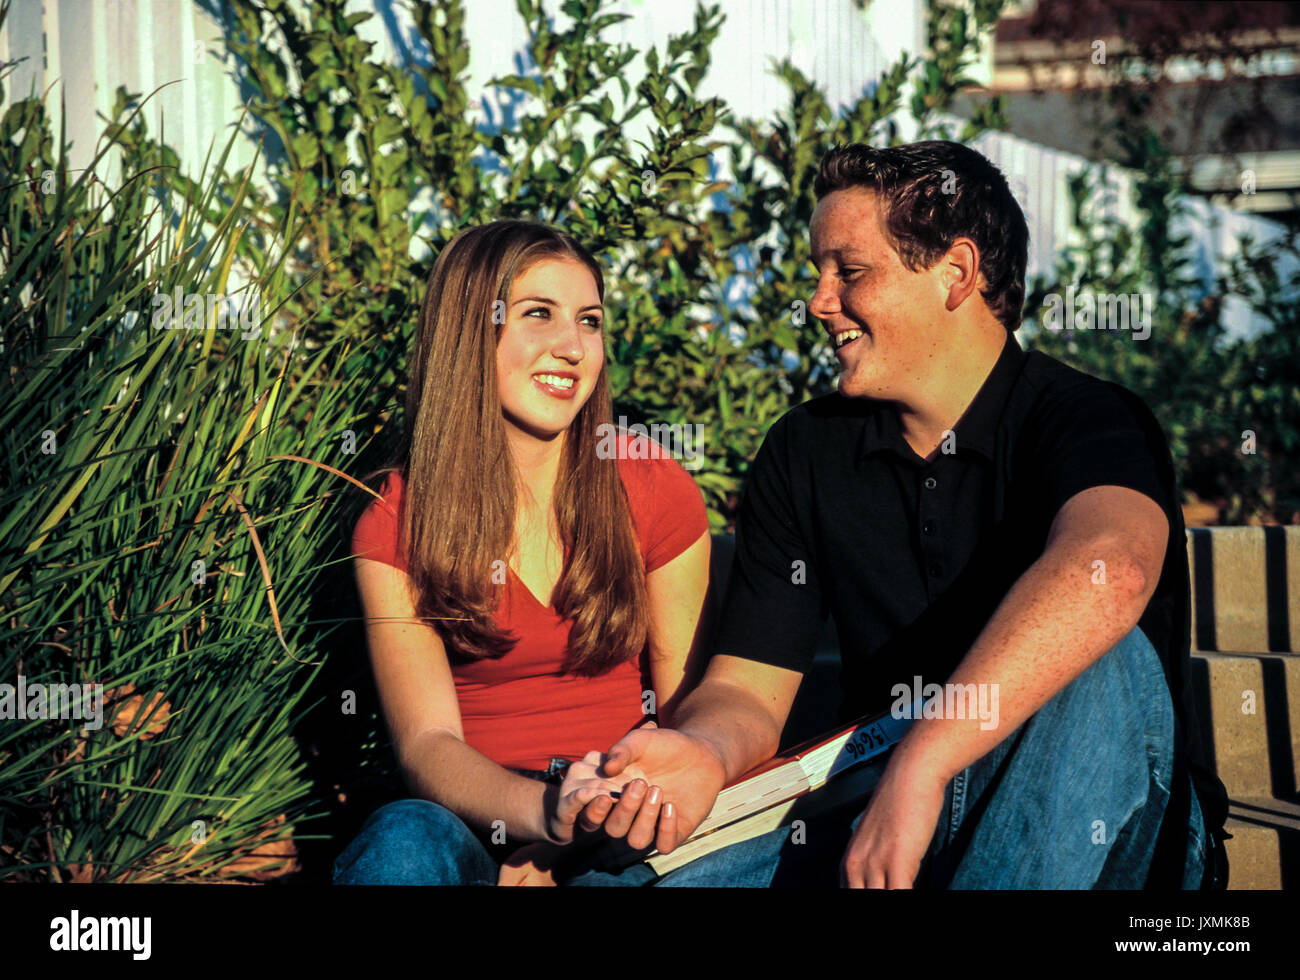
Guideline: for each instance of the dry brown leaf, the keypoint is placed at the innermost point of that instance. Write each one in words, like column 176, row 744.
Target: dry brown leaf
column 272, row 859
column 133, row 706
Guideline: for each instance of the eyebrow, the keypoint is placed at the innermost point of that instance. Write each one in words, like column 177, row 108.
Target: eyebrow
column 551, row 302
column 846, row 250
column 841, row 255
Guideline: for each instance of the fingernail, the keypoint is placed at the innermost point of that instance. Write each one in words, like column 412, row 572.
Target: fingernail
column 669, row 810
column 654, row 795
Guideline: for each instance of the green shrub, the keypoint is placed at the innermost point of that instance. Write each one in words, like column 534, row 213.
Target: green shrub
column 1231, row 408
column 679, row 351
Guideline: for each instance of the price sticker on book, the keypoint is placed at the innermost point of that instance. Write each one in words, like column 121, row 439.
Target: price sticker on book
column 870, row 740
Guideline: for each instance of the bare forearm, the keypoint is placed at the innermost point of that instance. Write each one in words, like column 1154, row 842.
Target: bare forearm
column 733, row 722
column 1052, row 625
column 442, row 768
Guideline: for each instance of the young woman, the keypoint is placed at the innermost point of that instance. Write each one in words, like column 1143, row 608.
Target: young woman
column 528, row 599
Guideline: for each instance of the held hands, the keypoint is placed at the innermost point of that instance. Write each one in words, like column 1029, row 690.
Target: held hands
column 684, row 769
column 538, row 863
column 885, row 852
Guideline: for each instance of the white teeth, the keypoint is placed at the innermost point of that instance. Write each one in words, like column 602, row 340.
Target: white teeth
column 841, row 339
column 555, row 380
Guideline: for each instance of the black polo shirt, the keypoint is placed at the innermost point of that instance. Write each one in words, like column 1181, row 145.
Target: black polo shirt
column 912, row 557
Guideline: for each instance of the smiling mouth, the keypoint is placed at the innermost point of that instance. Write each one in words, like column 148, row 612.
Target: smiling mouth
column 562, row 386
column 555, row 381
column 845, row 337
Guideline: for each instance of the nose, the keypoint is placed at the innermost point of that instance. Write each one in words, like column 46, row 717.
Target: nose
column 825, row 303
column 568, row 341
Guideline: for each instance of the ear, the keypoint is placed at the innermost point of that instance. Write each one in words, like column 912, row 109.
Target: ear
column 960, row 272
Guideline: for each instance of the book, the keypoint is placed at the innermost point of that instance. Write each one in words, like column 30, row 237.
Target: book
column 791, row 785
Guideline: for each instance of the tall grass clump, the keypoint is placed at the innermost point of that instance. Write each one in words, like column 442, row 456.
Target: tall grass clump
column 164, row 505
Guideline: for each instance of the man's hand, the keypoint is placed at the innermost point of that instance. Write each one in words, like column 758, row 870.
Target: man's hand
column 896, row 829
column 687, row 771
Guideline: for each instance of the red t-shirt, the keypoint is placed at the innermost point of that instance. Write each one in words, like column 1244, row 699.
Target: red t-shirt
column 520, row 710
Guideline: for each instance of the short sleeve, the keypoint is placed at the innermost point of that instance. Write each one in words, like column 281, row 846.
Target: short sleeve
column 1095, row 434
column 667, row 507
column 773, row 611
column 376, row 533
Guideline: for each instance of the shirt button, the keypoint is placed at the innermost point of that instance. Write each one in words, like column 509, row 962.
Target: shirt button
column 929, row 527
column 929, row 483
column 936, row 570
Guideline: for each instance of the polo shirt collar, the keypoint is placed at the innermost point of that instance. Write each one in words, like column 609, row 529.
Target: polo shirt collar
column 882, row 432
column 978, row 427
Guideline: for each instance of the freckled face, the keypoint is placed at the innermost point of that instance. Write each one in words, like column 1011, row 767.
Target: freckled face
column 885, row 320
column 551, row 347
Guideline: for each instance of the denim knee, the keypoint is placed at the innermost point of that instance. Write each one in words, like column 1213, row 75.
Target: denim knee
column 1080, row 785
column 415, row 842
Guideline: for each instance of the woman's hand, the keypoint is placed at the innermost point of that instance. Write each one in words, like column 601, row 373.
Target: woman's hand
column 531, row 865
column 582, row 784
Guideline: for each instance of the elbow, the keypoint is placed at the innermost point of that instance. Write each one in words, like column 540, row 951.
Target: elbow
column 1125, row 578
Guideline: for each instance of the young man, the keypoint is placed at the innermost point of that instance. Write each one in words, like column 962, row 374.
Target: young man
column 971, row 514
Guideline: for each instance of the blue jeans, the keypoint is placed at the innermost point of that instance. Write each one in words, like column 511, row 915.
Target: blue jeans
column 1073, row 798
column 418, row 842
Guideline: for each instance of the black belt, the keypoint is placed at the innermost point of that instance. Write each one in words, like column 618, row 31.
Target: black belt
column 554, row 774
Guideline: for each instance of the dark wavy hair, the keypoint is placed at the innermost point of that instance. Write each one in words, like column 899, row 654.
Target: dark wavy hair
column 458, row 509
column 932, row 193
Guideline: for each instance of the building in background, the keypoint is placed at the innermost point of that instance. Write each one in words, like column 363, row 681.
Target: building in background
column 1218, row 82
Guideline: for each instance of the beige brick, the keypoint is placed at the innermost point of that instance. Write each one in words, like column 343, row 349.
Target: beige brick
column 1240, row 744
column 1256, row 852
column 1241, row 615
